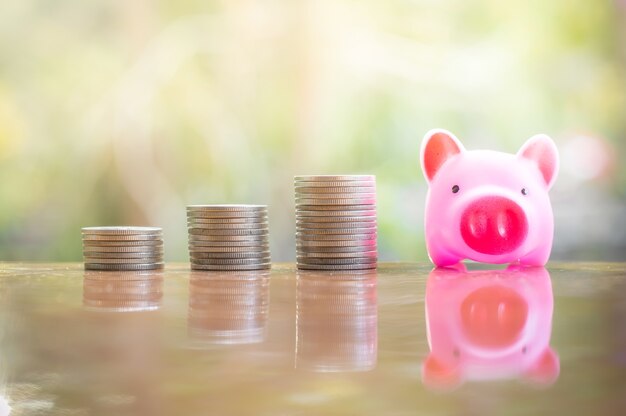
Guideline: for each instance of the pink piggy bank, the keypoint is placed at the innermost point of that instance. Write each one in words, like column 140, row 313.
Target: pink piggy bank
column 489, row 325
column 488, row 206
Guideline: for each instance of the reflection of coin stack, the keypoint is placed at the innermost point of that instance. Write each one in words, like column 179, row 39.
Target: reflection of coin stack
column 123, row 291
column 336, row 222
column 228, row 237
column 336, row 321
column 228, row 307
column 122, row 248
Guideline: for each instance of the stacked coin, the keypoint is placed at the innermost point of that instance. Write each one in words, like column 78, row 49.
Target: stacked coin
column 336, row 222
column 122, row 248
column 228, row 237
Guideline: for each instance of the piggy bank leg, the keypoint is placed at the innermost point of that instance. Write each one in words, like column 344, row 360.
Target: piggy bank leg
column 442, row 257
column 537, row 257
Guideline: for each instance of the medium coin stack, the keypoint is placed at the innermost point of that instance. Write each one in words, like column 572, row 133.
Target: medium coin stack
column 336, row 222
column 228, row 237
column 122, row 248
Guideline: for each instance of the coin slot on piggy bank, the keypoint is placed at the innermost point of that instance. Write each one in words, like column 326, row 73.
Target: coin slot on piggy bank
column 488, row 206
column 489, row 325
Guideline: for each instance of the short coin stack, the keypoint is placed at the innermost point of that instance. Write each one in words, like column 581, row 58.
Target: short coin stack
column 122, row 248
column 336, row 222
column 228, row 237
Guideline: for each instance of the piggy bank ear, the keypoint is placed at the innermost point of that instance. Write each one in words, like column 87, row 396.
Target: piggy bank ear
column 541, row 150
column 437, row 147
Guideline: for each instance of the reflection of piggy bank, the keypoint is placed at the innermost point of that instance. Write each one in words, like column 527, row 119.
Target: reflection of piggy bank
column 489, row 325
column 488, row 206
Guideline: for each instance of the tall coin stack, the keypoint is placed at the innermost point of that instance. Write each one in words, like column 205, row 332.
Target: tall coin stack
column 336, row 222
column 122, row 248
column 228, row 237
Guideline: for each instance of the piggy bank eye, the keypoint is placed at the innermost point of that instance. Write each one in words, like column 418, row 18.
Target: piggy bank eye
column 455, row 189
column 524, row 191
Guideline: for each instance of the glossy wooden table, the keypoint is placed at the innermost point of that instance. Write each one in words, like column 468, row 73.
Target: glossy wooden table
column 502, row 342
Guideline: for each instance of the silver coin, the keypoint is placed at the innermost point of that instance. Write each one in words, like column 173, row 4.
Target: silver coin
column 335, row 231
column 336, row 267
column 334, row 260
column 304, row 224
column 216, row 267
column 335, row 218
column 333, row 178
column 325, row 237
column 328, row 255
column 305, row 189
column 129, row 255
column 123, row 244
column 122, row 238
column 328, row 213
column 123, row 249
column 337, row 243
column 242, row 250
column 231, row 262
column 334, row 209
column 228, row 227
column 123, row 267
column 130, row 260
column 334, row 184
column 228, row 249
column 226, row 208
column 250, row 238
column 228, row 231
column 244, row 255
column 232, row 243
column 121, row 230
column 333, row 197
column 227, row 221
column 225, row 215
column 366, row 200
column 335, row 249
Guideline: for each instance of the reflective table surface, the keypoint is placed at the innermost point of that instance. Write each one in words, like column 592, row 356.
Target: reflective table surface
column 402, row 340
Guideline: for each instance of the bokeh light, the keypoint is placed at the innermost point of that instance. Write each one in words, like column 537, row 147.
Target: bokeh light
column 118, row 112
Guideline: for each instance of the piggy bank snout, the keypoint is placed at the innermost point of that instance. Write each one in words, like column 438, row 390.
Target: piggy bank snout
column 493, row 225
column 493, row 316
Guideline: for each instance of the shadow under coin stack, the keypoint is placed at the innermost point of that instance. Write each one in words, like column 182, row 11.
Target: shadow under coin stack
column 122, row 248
column 336, row 222
column 228, row 237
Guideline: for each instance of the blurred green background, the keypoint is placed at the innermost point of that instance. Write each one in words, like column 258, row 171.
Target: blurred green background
column 123, row 112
